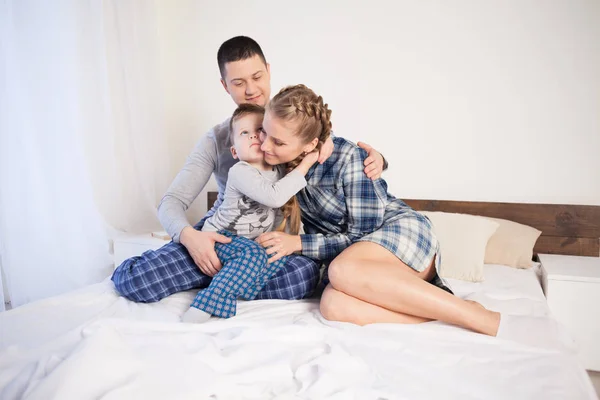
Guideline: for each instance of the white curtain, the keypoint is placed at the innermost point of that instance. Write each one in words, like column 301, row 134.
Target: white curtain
column 82, row 144
column 3, row 289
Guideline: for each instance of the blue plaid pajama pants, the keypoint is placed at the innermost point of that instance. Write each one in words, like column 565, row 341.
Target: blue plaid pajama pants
column 159, row 273
column 245, row 272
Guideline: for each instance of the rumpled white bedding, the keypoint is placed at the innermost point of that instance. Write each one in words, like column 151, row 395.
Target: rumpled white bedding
column 92, row 344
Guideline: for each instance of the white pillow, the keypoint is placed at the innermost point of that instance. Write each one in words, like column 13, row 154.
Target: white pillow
column 463, row 239
column 512, row 244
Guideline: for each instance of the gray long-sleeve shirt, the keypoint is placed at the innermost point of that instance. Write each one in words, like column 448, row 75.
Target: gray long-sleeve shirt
column 211, row 155
column 253, row 198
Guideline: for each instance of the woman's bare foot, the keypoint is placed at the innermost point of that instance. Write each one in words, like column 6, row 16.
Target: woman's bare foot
column 492, row 320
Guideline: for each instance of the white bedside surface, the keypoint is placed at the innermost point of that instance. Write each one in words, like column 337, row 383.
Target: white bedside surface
column 571, row 268
column 572, row 288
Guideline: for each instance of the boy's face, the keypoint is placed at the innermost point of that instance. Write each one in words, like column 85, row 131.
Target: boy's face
column 248, row 81
column 246, row 141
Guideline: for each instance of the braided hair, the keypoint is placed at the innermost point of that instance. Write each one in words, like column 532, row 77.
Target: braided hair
column 300, row 105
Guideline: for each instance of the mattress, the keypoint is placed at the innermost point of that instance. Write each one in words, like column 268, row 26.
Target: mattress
column 91, row 344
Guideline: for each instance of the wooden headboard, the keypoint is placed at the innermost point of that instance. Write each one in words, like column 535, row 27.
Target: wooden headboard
column 566, row 229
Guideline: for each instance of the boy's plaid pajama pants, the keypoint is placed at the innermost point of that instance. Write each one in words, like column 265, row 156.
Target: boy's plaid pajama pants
column 245, row 272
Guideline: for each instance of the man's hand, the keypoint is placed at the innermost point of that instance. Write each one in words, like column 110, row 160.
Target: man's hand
column 373, row 163
column 279, row 243
column 201, row 246
column 326, row 150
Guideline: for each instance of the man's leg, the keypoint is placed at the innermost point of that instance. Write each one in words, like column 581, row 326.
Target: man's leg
column 157, row 274
column 296, row 280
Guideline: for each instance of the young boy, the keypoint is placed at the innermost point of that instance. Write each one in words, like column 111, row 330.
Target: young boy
column 253, row 195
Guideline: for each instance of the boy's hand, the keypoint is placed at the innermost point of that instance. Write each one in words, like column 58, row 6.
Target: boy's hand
column 201, row 246
column 280, row 244
column 373, row 163
column 307, row 162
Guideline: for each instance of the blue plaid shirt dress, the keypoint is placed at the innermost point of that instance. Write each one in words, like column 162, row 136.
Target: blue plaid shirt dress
column 341, row 206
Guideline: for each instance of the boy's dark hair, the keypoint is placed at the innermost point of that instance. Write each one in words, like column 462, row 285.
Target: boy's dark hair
column 243, row 110
column 236, row 49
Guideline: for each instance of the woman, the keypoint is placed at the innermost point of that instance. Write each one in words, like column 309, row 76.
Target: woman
column 383, row 255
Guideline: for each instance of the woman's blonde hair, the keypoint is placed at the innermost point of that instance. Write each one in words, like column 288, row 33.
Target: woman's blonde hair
column 300, row 105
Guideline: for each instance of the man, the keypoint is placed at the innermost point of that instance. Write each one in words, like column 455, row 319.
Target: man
column 190, row 260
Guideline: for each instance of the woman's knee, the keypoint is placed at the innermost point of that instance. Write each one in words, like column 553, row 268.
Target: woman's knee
column 343, row 271
column 331, row 305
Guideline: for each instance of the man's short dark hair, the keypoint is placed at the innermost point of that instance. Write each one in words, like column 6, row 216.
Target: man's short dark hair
column 236, row 49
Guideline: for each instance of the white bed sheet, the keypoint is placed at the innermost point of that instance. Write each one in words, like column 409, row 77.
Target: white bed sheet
column 92, row 344
column 511, row 290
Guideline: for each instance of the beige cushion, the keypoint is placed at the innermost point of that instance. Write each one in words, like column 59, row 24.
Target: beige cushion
column 512, row 244
column 463, row 239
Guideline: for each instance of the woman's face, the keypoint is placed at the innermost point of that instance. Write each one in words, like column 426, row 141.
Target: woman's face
column 280, row 142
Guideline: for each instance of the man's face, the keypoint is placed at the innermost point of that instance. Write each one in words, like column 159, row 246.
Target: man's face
column 248, row 81
column 246, row 142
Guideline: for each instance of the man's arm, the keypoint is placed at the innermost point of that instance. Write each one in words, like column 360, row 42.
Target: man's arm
column 186, row 186
column 375, row 163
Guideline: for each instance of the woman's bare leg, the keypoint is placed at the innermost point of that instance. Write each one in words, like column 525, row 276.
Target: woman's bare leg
column 338, row 306
column 369, row 272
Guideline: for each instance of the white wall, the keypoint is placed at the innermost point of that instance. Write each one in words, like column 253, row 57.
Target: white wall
column 468, row 99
